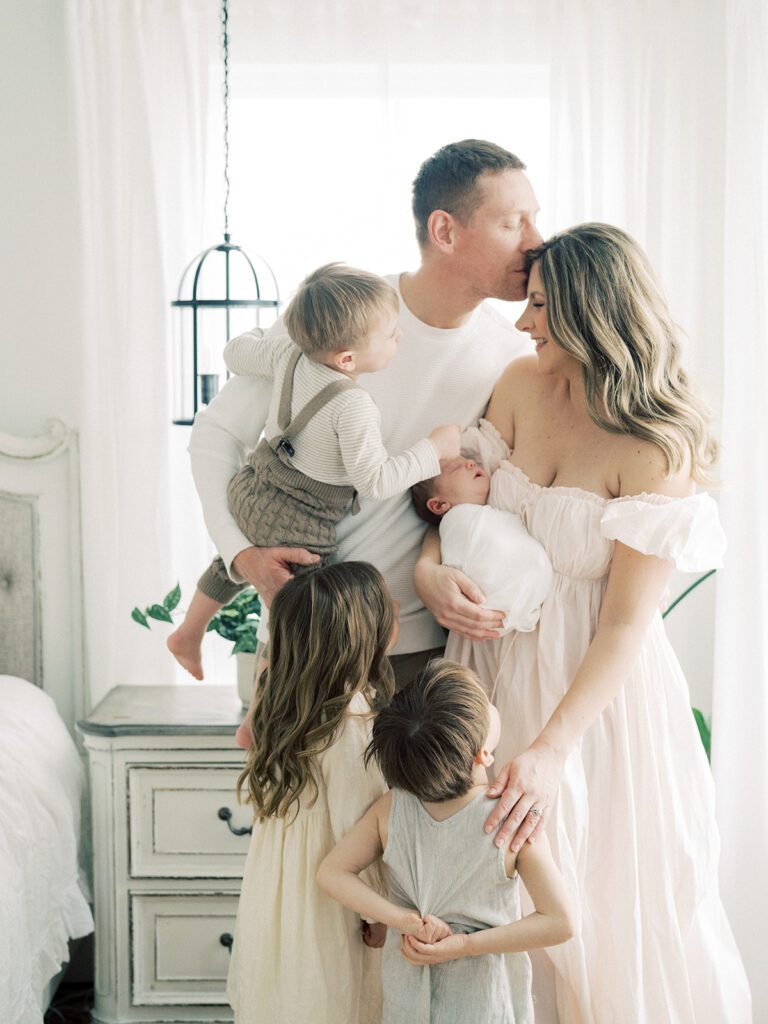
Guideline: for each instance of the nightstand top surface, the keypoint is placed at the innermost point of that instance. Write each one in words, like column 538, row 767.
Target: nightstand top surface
column 139, row 710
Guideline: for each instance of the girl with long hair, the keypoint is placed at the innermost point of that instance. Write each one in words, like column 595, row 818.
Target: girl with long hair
column 297, row 954
column 600, row 438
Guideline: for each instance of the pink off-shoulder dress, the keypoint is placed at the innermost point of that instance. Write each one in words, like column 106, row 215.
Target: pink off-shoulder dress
column 633, row 827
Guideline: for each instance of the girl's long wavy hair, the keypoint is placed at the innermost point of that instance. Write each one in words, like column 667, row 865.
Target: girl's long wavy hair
column 329, row 634
column 605, row 308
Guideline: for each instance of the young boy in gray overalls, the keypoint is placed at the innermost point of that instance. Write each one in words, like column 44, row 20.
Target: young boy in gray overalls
column 322, row 443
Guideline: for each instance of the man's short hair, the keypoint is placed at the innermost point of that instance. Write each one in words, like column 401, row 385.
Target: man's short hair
column 420, row 495
column 333, row 307
column 426, row 739
column 448, row 180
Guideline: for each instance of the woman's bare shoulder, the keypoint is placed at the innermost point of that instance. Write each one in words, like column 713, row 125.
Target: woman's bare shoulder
column 519, row 382
column 519, row 371
column 643, row 469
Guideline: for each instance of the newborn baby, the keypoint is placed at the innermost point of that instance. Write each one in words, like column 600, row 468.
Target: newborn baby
column 490, row 545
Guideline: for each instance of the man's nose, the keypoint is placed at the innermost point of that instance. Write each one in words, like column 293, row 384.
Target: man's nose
column 533, row 238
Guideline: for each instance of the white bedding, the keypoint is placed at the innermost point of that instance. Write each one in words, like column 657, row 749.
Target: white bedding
column 42, row 892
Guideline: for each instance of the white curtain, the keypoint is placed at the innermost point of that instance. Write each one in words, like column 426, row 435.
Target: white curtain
column 660, row 125
column 740, row 707
column 139, row 83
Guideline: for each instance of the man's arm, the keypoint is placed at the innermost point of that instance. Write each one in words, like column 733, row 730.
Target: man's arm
column 221, row 435
column 451, row 596
column 223, row 432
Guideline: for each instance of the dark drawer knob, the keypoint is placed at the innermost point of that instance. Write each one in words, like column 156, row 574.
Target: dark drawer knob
column 226, row 815
column 227, row 940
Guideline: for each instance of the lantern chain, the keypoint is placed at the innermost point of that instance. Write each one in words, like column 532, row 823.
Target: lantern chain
column 225, row 46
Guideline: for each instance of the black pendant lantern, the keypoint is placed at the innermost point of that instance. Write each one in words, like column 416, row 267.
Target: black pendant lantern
column 219, row 293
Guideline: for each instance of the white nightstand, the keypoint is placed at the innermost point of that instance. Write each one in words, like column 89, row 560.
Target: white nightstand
column 167, row 857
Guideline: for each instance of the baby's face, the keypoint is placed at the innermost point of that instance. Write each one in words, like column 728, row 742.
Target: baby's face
column 462, row 482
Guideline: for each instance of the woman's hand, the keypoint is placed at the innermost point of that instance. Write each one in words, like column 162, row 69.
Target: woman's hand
column 374, row 934
column 528, row 787
column 455, row 601
column 423, row 953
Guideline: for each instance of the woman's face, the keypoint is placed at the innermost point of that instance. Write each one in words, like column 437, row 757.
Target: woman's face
column 551, row 356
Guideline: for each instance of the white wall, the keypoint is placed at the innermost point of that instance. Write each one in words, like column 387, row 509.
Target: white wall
column 39, row 249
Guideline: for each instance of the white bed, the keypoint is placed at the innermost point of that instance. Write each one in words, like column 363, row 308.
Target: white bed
column 43, row 890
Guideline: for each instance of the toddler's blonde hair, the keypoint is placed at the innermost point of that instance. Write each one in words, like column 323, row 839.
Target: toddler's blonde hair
column 333, row 308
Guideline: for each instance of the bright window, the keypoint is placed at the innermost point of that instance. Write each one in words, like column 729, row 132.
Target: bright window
column 322, row 155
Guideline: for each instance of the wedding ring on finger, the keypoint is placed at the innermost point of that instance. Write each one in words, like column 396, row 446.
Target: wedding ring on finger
column 535, row 811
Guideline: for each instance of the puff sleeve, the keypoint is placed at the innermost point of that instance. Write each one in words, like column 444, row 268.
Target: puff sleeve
column 685, row 531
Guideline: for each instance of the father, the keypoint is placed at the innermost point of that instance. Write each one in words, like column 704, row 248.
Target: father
column 475, row 215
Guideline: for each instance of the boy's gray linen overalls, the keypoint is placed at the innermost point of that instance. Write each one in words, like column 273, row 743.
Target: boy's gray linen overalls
column 453, row 870
column 276, row 505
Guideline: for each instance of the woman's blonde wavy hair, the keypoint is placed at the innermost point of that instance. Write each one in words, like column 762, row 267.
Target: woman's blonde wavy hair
column 605, row 308
column 329, row 634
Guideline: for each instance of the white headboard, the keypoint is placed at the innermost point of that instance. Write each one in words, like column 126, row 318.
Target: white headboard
column 41, row 617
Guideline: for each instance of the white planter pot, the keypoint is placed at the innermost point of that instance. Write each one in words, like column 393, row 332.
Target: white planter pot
column 246, row 671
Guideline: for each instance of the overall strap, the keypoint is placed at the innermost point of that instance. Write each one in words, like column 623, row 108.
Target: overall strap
column 314, row 405
column 286, row 394
column 282, row 444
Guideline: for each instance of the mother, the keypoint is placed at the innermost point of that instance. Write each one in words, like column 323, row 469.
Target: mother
column 605, row 440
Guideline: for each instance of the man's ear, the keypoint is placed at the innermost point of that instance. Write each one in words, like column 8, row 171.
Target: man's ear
column 346, row 360
column 441, row 230
column 438, row 505
column 484, row 757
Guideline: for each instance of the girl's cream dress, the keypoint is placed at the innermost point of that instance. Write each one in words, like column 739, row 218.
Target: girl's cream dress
column 298, row 956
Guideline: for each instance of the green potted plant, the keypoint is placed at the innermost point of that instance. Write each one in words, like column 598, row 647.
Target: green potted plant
column 236, row 622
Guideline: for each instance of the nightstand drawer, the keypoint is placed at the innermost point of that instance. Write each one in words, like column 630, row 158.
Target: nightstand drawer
column 175, row 828
column 178, row 955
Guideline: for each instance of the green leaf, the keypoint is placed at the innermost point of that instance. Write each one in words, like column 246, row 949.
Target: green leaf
column 229, row 613
column 211, row 626
column 245, row 644
column 704, row 731
column 138, row 616
column 156, row 611
column 172, row 598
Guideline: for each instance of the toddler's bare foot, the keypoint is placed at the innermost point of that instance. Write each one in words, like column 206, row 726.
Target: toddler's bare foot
column 244, row 736
column 187, row 651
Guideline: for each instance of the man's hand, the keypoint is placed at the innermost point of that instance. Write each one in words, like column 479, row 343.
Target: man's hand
column 422, row 953
column 455, row 601
column 267, row 569
column 375, row 934
column 528, row 787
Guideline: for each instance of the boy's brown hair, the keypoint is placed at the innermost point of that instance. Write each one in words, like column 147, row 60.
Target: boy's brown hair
column 333, row 307
column 426, row 739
